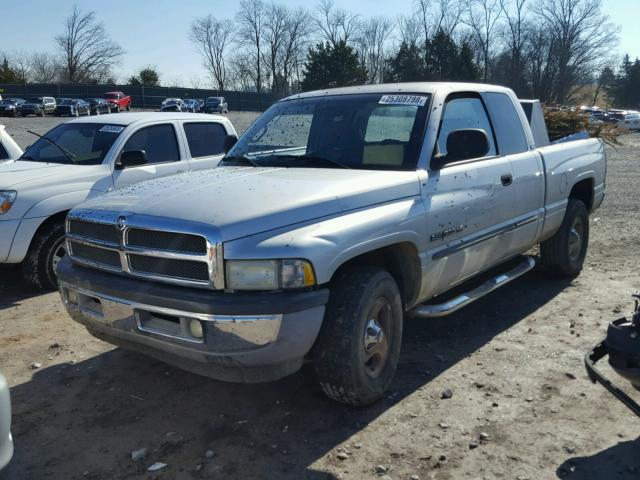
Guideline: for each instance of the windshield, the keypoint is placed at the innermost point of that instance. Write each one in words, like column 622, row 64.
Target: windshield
column 111, row 96
column 35, row 100
column 81, row 143
column 215, row 100
column 364, row 131
column 68, row 102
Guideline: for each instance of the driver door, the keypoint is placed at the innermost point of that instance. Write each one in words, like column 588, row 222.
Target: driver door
column 469, row 202
column 160, row 143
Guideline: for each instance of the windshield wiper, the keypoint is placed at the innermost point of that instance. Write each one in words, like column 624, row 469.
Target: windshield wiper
column 314, row 158
column 68, row 154
column 241, row 159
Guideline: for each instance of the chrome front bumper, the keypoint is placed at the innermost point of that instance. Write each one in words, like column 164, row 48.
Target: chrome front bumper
column 238, row 348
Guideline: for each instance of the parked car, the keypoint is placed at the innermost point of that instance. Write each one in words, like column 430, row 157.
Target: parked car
column 119, row 101
column 335, row 215
column 9, row 149
column 98, row 106
column 8, row 106
column 6, row 442
column 632, row 121
column 37, row 106
column 87, row 156
column 192, row 105
column 173, row 105
column 215, row 105
column 72, row 108
column 165, row 101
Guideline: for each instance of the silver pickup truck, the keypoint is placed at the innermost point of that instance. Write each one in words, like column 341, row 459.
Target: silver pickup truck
column 336, row 215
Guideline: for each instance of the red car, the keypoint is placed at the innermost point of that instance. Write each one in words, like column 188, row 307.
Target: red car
column 118, row 101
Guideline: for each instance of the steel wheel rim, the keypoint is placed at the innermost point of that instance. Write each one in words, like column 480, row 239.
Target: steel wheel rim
column 576, row 236
column 58, row 253
column 376, row 338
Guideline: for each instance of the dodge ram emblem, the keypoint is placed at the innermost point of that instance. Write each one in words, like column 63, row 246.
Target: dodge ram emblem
column 121, row 222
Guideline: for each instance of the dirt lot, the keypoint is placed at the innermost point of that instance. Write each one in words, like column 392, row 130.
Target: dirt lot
column 513, row 361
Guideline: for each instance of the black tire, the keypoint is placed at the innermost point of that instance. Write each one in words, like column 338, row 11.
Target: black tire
column 38, row 266
column 563, row 254
column 354, row 364
column 129, row 108
column 117, row 108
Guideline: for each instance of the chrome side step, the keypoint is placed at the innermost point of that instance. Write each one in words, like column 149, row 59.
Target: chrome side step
column 464, row 299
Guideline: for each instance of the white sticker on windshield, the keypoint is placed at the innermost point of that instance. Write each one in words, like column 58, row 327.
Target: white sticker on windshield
column 111, row 129
column 416, row 100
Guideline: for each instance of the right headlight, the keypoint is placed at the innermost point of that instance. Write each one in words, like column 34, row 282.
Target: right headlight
column 7, row 197
column 268, row 274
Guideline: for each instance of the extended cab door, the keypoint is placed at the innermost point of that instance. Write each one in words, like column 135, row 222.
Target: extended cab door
column 528, row 181
column 205, row 141
column 160, row 144
column 469, row 202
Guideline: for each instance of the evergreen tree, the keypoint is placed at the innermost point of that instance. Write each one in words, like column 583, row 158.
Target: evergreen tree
column 407, row 65
column 9, row 74
column 330, row 66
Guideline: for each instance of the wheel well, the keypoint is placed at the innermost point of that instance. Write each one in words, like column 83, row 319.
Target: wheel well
column 401, row 260
column 53, row 219
column 583, row 190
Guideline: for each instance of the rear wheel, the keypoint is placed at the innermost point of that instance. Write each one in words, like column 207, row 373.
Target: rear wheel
column 129, row 108
column 358, row 348
column 45, row 253
column 563, row 254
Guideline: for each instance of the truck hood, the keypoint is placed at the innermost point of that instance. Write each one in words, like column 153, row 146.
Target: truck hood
column 15, row 172
column 243, row 201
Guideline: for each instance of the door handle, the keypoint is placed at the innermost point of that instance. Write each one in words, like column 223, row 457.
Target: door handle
column 506, row 179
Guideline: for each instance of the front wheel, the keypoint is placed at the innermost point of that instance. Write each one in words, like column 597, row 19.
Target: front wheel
column 45, row 253
column 129, row 108
column 563, row 254
column 357, row 351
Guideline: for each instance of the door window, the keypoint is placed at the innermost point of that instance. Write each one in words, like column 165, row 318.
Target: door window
column 464, row 113
column 205, row 138
column 159, row 142
column 3, row 153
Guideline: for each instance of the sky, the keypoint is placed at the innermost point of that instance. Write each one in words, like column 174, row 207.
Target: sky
column 154, row 32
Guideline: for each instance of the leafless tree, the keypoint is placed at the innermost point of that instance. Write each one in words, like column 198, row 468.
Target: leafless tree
column 274, row 40
column 516, row 40
column 251, row 19
column 20, row 62
column 481, row 16
column 580, row 35
column 335, row 24
column 295, row 45
column 409, row 29
column 371, row 39
column 88, row 54
column 435, row 15
column 43, row 67
column 242, row 73
column 212, row 38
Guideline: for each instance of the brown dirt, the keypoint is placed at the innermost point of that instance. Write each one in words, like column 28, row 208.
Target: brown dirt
column 513, row 361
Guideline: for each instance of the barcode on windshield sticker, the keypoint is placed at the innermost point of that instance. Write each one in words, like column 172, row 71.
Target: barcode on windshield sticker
column 112, row 129
column 415, row 100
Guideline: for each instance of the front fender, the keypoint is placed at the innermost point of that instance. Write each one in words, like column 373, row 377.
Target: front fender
column 59, row 203
column 331, row 242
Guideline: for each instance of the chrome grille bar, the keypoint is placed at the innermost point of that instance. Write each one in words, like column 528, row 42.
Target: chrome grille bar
column 81, row 223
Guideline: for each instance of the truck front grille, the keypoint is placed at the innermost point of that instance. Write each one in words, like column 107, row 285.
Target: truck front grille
column 96, row 255
column 187, row 269
column 147, row 247
column 94, row 231
column 174, row 242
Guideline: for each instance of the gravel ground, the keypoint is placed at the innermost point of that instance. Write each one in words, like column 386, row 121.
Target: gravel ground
column 521, row 405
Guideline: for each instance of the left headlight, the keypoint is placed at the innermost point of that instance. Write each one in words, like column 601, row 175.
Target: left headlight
column 7, row 197
column 268, row 274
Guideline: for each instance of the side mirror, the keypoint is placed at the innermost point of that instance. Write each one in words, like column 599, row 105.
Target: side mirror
column 229, row 142
column 463, row 145
column 131, row 158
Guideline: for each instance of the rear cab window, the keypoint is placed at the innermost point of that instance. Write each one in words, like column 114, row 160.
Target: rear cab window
column 205, row 138
column 508, row 125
